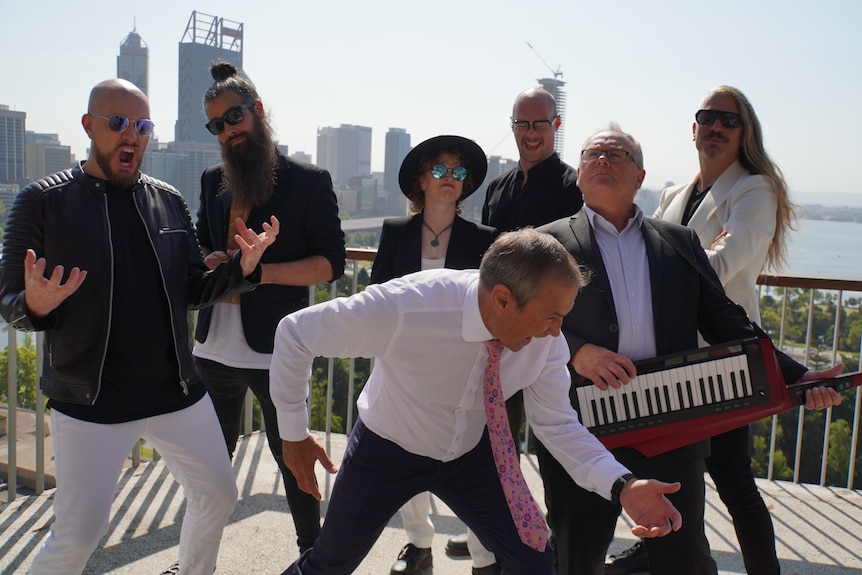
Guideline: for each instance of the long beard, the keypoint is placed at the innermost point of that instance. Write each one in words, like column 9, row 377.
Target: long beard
column 250, row 167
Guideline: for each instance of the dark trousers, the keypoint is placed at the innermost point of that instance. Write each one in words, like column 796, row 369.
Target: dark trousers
column 729, row 465
column 377, row 477
column 227, row 387
column 583, row 523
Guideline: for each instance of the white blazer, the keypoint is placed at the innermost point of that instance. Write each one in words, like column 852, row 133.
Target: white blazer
column 743, row 204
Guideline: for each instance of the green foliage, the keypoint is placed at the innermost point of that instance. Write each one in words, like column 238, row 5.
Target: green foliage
column 794, row 304
column 26, row 374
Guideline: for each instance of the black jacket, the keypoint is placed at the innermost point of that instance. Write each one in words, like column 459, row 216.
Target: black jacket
column 307, row 211
column 400, row 249
column 64, row 219
column 687, row 296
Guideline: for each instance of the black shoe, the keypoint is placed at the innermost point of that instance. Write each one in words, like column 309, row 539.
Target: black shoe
column 412, row 560
column 456, row 546
column 631, row 560
column 174, row 569
column 492, row 569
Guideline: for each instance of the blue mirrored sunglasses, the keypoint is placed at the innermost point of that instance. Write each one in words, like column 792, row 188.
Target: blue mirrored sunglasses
column 439, row 171
column 119, row 123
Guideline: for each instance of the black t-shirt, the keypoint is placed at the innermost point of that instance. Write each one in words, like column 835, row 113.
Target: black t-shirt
column 140, row 376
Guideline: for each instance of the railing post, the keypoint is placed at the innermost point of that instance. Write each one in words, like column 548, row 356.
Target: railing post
column 330, row 379
column 12, row 421
column 351, row 378
column 40, row 415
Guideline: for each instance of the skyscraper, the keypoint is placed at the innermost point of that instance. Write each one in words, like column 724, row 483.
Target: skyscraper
column 206, row 38
column 46, row 155
column 12, row 146
column 555, row 87
column 345, row 151
column 397, row 147
column 134, row 61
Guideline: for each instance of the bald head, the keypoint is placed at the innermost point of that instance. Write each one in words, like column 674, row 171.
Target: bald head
column 114, row 89
column 538, row 96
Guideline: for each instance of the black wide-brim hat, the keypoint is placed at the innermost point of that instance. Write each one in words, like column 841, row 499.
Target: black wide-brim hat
column 473, row 155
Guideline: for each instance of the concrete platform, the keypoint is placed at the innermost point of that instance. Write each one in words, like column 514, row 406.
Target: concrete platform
column 818, row 529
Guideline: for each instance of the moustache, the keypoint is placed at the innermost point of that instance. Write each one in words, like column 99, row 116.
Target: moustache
column 716, row 135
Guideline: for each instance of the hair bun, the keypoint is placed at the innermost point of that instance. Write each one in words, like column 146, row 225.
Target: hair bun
column 222, row 70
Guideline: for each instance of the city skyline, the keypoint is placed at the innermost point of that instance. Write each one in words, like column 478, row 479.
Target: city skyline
column 456, row 68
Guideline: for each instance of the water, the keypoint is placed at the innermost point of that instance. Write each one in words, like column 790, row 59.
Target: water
column 826, row 248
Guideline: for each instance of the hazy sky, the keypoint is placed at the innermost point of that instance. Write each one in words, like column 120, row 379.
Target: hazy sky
column 455, row 67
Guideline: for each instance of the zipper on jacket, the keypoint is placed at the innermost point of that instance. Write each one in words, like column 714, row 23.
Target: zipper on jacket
column 110, row 295
column 162, row 231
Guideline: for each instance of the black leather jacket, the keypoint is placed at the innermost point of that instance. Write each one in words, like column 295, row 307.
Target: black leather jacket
column 64, row 219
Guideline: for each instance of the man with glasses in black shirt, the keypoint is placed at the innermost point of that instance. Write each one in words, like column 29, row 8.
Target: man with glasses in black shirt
column 540, row 190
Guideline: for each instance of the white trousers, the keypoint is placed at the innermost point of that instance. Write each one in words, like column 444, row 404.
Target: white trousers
column 416, row 517
column 88, row 460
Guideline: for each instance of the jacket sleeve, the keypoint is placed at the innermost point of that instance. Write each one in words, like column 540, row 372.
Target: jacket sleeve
column 20, row 234
column 722, row 320
column 206, row 287
column 322, row 225
column 750, row 226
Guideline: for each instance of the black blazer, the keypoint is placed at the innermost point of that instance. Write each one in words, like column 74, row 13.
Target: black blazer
column 400, row 249
column 306, row 208
column 687, row 296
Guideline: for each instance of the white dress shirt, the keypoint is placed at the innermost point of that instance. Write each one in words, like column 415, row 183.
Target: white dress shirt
column 425, row 391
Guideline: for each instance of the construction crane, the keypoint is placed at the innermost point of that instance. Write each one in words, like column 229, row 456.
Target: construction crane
column 557, row 73
column 554, row 86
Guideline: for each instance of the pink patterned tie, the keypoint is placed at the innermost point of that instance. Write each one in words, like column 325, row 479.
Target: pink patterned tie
column 528, row 519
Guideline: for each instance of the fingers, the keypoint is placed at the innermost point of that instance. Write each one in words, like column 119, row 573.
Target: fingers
column 822, row 398
column 327, row 464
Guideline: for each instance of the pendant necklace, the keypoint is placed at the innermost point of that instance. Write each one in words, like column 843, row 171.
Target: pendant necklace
column 436, row 241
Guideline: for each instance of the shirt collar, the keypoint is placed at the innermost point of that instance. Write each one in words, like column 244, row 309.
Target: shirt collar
column 472, row 327
column 597, row 221
column 544, row 166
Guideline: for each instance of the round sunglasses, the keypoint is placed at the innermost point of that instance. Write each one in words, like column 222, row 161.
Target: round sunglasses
column 118, row 123
column 458, row 172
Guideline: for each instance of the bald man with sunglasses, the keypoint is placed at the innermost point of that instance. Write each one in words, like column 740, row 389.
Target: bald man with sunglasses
column 104, row 260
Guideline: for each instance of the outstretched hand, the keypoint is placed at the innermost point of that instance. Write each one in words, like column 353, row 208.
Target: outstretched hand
column 41, row 295
column 253, row 244
column 645, row 502
column 300, row 457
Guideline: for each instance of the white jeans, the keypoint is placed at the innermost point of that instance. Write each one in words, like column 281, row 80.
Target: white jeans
column 88, row 459
column 416, row 517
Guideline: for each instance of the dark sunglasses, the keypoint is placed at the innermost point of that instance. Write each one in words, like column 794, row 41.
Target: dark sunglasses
column 119, row 123
column 233, row 116
column 708, row 117
column 439, row 171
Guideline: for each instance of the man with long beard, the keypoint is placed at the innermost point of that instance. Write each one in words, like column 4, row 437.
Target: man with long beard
column 234, row 339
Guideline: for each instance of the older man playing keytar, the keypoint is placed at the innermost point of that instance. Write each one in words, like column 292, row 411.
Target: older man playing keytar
column 652, row 291
column 450, row 345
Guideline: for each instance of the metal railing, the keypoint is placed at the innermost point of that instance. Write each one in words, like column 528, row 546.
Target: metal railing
column 769, row 284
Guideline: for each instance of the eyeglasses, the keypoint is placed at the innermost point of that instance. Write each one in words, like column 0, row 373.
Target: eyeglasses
column 233, row 116
column 728, row 119
column 439, row 171
column 119, row 123
column 614, row 156
column 538, row 125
